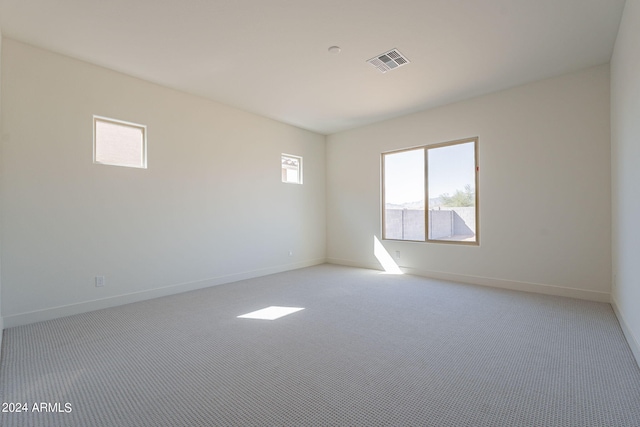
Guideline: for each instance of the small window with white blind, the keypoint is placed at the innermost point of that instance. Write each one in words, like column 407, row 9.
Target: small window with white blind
column 119, row 143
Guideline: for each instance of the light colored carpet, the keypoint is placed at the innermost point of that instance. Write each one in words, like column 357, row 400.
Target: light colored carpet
column 368, row 350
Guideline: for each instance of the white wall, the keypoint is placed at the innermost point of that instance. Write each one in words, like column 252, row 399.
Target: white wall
column 544, row 153
column 209, row 209
column 625, row 134
column 1, row 134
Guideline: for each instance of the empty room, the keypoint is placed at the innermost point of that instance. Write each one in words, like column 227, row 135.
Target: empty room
column 336, row 213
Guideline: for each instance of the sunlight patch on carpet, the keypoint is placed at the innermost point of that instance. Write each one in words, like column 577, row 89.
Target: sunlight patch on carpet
column 270, row 313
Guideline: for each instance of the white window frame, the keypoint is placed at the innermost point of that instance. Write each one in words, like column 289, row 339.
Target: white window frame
column 293, row 157
column 426, row 149
column 141, row 127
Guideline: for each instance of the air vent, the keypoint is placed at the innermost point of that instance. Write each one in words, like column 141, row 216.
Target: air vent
column 389, row 60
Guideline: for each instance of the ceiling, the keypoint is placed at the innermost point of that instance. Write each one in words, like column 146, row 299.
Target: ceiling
column 271, row 57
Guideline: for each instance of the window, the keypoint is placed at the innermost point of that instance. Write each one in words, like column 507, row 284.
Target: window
column 430, row 193
column 119, row 143
column 291, row 169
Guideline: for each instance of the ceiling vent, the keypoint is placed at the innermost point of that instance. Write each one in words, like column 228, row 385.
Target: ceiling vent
column 388, row 60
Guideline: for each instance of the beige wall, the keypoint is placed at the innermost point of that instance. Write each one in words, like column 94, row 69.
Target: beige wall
column 209, row 209
column 625, row 131
column 1, row 178
column 544, row 155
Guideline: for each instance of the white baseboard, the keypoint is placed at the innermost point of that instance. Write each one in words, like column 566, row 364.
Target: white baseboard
column 356, row 264
column 634, row 343
column 86, row 306
column 491, row 282
column 1, row 330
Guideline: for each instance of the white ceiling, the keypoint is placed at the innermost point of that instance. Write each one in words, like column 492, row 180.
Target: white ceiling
column 270, row 56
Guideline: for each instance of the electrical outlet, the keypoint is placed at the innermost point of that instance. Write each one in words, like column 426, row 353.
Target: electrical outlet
column 99, row 281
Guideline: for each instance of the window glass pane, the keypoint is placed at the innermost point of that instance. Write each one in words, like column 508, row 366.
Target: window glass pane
column 452, row 193
column 404, row 195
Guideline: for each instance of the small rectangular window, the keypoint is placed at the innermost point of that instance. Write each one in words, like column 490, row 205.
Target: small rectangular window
column 119, row 143
column 291, row 169
column 430, row 193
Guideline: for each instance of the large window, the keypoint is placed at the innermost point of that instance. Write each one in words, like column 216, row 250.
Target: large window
column 430, row 193
column 119, row 143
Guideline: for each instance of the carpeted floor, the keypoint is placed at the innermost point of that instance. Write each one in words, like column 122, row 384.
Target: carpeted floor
column 367, row 350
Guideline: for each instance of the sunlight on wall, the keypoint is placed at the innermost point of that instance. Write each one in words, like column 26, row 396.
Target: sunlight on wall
column 388, row 264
